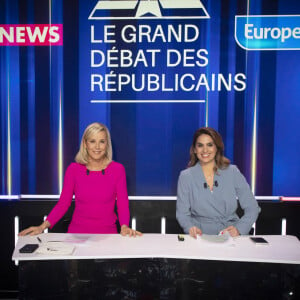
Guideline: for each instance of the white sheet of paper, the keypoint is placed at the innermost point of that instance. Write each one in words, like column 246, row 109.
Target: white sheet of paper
column 56, row 248
column 225, row 238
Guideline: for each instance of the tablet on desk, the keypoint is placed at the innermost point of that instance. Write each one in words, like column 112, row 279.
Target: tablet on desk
column 259, row 240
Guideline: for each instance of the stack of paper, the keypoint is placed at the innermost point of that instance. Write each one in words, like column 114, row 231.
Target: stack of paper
column 217, row 239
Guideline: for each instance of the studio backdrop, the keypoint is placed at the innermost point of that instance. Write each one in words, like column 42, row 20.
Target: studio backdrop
column 153, row 72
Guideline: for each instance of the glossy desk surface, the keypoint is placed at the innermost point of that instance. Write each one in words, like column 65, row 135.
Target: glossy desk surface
column 281, row 249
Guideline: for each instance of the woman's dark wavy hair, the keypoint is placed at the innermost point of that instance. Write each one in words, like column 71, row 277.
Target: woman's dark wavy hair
column 221, row 161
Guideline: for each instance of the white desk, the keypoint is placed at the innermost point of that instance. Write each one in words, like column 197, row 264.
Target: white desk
column 157, row 266
column 281, row 249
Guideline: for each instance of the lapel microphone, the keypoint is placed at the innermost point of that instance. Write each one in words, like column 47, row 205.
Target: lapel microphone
column 88, row 172
column 205, row 185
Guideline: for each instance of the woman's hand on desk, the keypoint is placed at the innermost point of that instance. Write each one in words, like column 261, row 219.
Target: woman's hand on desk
column 194, row 231
column 125, row 230
column 34, row 230
column 233, row 231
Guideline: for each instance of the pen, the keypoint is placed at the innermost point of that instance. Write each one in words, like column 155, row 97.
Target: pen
column 39, row 239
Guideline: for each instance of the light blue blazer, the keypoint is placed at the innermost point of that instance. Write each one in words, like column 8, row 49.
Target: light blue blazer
column 216, row 210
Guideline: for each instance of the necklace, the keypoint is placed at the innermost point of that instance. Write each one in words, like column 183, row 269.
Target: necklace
column 209, row 176
column 208, row 172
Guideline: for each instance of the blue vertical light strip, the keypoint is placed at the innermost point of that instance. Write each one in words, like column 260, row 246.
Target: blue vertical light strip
column 8, row 171
column 13, row 109
column 254, row 120
column 254, row 142
column 251, row 115
column 253, row 145
column 61, row 109
column 56, row 97
column 14, row 115
column 207, row 43
column 231, row 96
column 31, row 109
column 31, row 121
column 3, row 119
column 3, row 112
column 53, row 111
column 206, row 110
column 213, row 46
column 60, row 143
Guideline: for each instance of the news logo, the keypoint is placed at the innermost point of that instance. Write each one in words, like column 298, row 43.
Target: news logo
column 148, row 9
column 281, row 32
column 31, row 34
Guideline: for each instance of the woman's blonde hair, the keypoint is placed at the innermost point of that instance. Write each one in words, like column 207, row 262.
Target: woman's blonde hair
column 94, row 128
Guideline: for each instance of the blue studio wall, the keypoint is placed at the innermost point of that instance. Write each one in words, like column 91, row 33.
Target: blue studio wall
column 153, row 74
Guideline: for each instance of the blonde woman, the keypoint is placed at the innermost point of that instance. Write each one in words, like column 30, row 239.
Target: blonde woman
column 98, row 183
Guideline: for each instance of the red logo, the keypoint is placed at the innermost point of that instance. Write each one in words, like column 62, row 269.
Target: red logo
column 31, row 35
